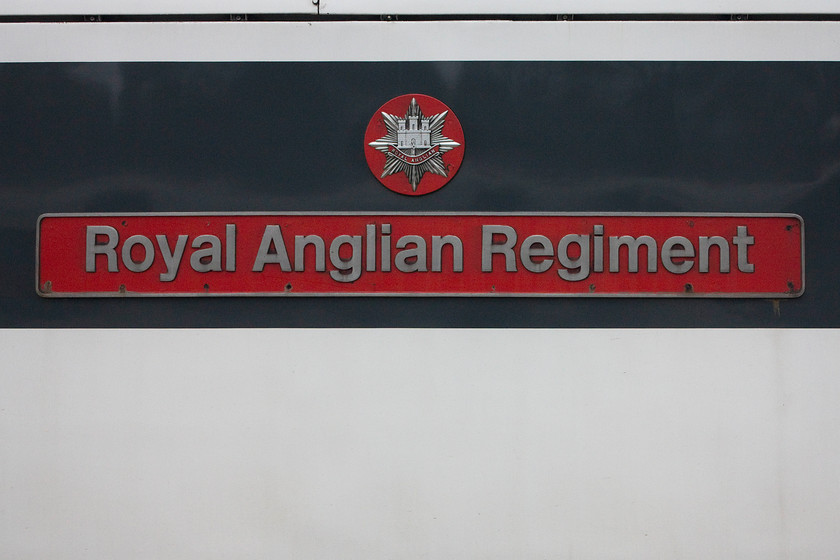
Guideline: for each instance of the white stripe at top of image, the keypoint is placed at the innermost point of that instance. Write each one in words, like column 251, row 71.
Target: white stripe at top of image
column 346, row 41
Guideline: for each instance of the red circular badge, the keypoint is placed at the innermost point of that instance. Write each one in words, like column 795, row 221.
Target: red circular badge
column 414, row 144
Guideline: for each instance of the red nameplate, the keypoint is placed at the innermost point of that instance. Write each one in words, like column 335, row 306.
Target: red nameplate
column 470, row 254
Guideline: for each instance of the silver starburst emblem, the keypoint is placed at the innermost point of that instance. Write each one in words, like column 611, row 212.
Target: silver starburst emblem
column 414, row 144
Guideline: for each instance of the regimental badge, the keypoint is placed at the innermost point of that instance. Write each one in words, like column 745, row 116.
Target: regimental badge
column 414, row 144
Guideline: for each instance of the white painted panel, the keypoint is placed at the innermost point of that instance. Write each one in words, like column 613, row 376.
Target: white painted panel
column 131, row 7
column 377, row 7
column 580, row 7
column 419, row 444
column 360, row 41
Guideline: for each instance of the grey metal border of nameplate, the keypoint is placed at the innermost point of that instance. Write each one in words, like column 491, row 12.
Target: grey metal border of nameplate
column 680, row 295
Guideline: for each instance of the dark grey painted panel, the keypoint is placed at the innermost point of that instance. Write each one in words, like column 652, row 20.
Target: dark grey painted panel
column 576, row 137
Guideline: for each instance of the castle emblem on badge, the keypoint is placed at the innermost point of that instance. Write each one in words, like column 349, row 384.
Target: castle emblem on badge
column 414, row 144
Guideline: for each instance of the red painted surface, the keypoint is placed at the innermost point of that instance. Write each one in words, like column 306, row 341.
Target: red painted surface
column 777, row 255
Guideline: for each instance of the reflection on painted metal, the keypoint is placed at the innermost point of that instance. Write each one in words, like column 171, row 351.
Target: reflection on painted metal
column 468, row 254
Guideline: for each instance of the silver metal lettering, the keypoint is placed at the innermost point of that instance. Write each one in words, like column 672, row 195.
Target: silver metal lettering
column 385, row 266
column 705, row 245
column 488, row 248
column 411, row 259
column 148, row 257
column 172, row 259
column 454, row 241
column 743, row 240
column 598, row 248
column 370, row 251
column 214, row 252
column 230, row 247
column 544, row 248
column 576, row 269
column 92, row 248
column 272, row 236
column 301, row 241
column 353, row 264
column 671, row 252
column 633, row 245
